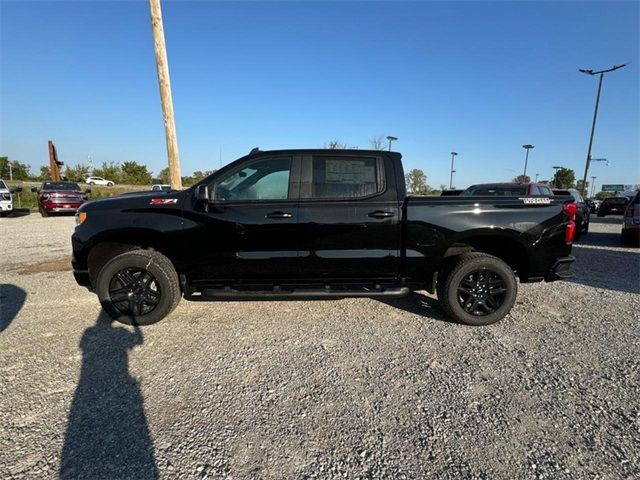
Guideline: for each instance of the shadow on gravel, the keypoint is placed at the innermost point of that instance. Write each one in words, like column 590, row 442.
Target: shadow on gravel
column 609, row 269
column 419, row 304
column 107, row 434
column 20, row 212
column 11, row 301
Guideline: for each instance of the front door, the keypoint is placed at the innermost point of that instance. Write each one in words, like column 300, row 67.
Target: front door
column 248, row 232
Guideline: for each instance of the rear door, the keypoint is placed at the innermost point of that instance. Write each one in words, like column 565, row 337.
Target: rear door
column 349, row 217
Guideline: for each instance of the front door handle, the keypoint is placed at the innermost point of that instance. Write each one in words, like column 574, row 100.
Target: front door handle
column 278, row 215
column 381, row 214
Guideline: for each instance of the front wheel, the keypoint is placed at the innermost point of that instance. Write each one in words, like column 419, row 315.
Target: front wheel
column 110, row 184
column 92, row 183
column 478, row 289
column 139, row 287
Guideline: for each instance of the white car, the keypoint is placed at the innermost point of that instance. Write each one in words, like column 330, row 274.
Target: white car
column 99, row 181
column 6, row 200
column 160, row 187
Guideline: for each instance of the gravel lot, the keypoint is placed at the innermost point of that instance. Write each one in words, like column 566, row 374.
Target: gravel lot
column 332, row 389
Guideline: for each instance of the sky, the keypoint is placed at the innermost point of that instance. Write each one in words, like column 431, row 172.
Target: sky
column 480, row 78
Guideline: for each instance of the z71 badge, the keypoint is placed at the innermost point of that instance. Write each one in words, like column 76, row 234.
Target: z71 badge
column 536, row 201
column 163, row 201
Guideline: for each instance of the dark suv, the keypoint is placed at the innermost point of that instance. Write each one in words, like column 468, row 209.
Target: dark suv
column 584, row 212
column 613, row 206
column 60, row 197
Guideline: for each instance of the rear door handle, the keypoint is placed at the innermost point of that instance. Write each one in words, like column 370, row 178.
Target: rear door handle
column 278, row 215
column 381, row 214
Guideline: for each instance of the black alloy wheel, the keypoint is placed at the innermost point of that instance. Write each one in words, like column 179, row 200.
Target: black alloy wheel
column 481, row 292
column 134, row 291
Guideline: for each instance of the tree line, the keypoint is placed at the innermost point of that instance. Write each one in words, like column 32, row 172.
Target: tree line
column 127, row 173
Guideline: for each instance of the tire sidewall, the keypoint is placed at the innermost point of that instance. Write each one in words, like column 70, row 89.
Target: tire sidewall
column 127, row 260
column 494, row 265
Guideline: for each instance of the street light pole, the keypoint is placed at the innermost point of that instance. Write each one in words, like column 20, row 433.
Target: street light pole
column 595, row 116
column 526, row 159
column 391, row 139
column 555, row 175
column 593, row 185
column 453, row 156
column 537, row 177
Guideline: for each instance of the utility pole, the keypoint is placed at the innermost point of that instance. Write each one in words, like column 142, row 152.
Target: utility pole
column 10, row 170
column 555, row 175
column 453, row 155
column 595, row 116
column 537, row 177
column 165, row 94
column 593, row 185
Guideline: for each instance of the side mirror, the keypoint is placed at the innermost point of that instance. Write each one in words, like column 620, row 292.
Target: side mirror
column 202, row 194
column 34, row 189
column 87, row 190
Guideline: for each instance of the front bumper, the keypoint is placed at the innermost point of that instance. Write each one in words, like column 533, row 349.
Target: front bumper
column 561, row 269
column 6, row 207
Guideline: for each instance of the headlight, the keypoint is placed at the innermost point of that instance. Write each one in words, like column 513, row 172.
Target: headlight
column 45, row 196
column 80, row 218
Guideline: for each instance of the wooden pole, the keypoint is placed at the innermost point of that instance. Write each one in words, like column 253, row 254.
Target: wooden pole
column 165, row 94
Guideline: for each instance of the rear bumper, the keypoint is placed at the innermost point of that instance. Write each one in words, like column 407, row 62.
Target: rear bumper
column 561, row 269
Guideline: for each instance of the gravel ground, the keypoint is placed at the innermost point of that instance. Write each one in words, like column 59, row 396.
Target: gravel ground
column 331, row 389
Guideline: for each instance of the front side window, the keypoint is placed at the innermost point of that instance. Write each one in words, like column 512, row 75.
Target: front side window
column 266, row 179
column 2, row 185
column 345, row 177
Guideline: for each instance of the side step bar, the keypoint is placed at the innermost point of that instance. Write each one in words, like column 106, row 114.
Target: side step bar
column 277, row 294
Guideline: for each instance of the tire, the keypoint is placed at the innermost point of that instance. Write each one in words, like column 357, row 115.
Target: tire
column 470, row 272
column 110, row 184
column 44, row 213
column 92, row 183
column 146, row 282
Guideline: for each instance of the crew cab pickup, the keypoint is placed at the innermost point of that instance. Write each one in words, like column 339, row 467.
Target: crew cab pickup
column 317, row 224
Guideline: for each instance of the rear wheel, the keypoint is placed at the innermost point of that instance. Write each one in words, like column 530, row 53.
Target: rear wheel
column 478, row 289
column 92, row 183
column 139, row 287
column 110, row 184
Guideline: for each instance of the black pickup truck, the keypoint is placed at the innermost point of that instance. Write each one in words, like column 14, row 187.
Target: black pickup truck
column 317, row 224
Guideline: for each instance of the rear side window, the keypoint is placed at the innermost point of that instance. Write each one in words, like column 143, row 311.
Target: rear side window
column 500, row 191
column 345, row 177
column 544, row 190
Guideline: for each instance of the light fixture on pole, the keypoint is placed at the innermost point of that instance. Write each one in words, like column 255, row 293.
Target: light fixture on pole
column 453, row 156
column 391, row 138
column 595, row 115
column 527, row 147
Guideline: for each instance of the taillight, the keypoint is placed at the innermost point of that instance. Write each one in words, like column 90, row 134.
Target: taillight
column 570, row 210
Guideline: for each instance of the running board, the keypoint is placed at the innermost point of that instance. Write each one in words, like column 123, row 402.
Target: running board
column 277, row 294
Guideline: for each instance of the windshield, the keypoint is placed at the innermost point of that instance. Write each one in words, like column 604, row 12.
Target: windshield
column 60, row 186
column 493, row 190
column 2, row 185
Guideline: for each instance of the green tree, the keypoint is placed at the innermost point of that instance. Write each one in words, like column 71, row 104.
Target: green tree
column 134, row 174
column 110, row 171
column 45, row 174
column 416, row 182
column 522, row 179
column 18, row 170
column 79, row 173
column 586, row 188
column 564, row 178
column 163, row 175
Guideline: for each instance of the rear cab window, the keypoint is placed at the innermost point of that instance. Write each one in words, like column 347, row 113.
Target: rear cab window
column 344, row 177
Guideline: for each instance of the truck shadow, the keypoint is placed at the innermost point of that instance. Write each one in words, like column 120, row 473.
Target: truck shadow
column 420, row 304
column 11, row 301
column 107, row 433
column 599, row 239
column 604, row 268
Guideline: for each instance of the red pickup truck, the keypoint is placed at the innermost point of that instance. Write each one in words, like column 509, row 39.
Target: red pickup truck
column 59, row 197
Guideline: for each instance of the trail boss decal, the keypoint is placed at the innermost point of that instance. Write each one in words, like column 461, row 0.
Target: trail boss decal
column 163, row 201
column 536, row 201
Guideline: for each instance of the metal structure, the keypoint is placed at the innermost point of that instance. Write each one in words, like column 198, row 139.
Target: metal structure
column 453, row 156
column 527, row 147
column 391, row 138
column 54, row 163
column 595, row 115
column 593, row 185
